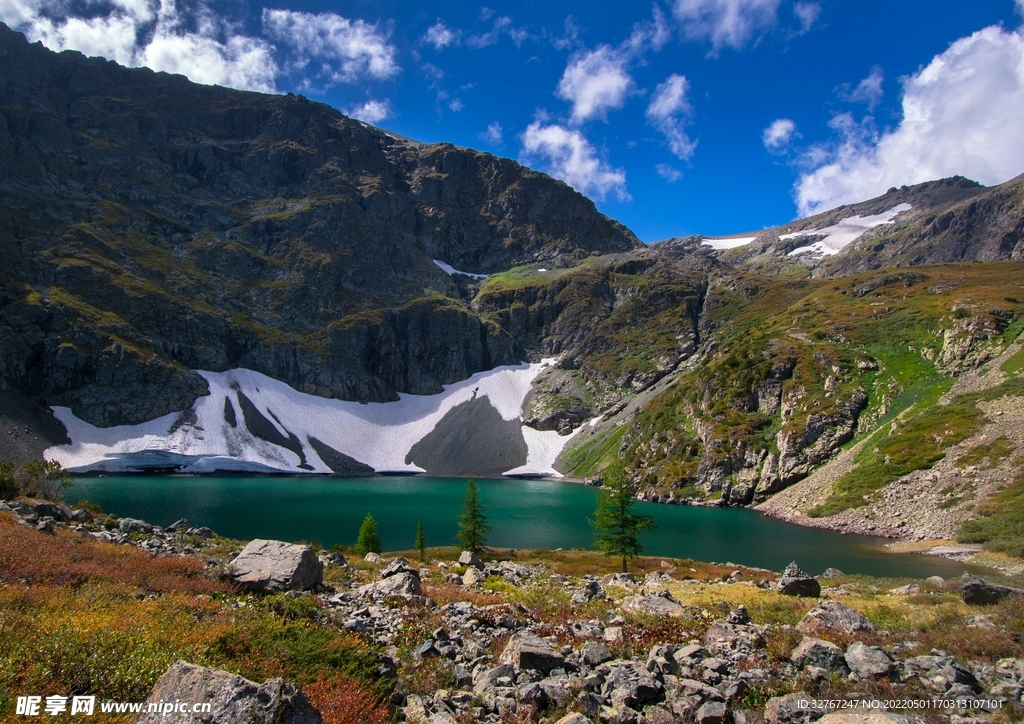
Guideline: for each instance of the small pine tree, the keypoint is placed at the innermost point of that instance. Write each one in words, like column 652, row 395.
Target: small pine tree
column 473, row 525
column 615, row 526
column 421, row 540
column 368, row 540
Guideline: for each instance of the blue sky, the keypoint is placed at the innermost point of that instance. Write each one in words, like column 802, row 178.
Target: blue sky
column 676, row 116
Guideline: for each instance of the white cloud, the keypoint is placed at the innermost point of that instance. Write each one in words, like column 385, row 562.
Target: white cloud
column 669, row 111
column 570, row 157
column 961, row 115
column 654, row 33
column 778, row 134
column 339, row 49
column 595, row 81
column 502, row 26
column 668, row 173
column 154, row 33
column 456, row 105
column 868, row 91
column 807, row 13
column 372, row 112
column 572, row 32
column 493, row 134
column 731, row 23
column 441, row 36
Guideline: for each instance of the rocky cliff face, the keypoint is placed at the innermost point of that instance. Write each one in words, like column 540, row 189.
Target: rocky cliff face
column 152, row 226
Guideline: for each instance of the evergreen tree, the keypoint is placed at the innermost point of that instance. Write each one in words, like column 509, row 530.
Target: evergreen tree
column 421, row 540
column 473, row 525
column 368, row 540
column 615, row 526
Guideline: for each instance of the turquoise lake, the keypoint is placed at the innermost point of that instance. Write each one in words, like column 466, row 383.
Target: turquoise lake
column 522, row 513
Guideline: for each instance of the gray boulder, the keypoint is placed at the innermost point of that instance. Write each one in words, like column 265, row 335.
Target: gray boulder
column 815, row 652
column 712, row 712
column 594, row 653
column 525, row 650
column 473, row 576
column 399, row 565
column 233, row 700
column 132, row 525
column 977, row 591
column 833, row 616
column 468, row 558
column 268, row 566
column 400, row 584
column 867, row 662
column 654, row 606
column 791, row 709
column 723, row 637
column 574, row 718
column 794, row 582
column 180, row 525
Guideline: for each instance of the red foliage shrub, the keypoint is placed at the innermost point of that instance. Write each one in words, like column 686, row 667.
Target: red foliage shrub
column 32, row 557
column 341, row 699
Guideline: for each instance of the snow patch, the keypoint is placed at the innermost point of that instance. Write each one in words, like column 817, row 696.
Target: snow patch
column 377, row 434
column 448, row 269
column 730, row 243
column 544, row 447
column 839, row 236
column 593, row 423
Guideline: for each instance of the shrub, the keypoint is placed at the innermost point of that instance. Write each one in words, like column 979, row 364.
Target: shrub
column 341, row 699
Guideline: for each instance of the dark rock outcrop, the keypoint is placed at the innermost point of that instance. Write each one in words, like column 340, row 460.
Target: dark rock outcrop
column 977, row 591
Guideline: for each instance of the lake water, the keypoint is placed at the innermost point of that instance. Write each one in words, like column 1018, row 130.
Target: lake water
column 522, row 513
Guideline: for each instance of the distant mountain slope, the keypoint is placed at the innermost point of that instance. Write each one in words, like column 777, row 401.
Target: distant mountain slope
column 152, row 226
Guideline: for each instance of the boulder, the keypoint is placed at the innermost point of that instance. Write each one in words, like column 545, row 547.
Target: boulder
column 473, row 576
column 815, row 652
column 180, row 525
column 867, row 662
column 233, row 700
column 976, row 591
column 132, row 525
column 654, row 606
column 374, row 558
column 723, row 637
column 832, row 573
column 594, row 653
column 590, row 591
column 937, row 581
column 860, row 716
column 791, row 709
column 794, row 582
column 400, row 584
column 835, row 617
column 525, row 650
column 712, row 712
column 468, row 558
column 908, row 590
column 399, row 565
column 268, row 566
column 574, row 718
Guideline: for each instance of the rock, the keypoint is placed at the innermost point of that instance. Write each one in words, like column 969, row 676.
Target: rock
column 654, row 606
column 815, row 652
column 937, row 581
column 80, row 515
column 489, row 678
column 468, row 558
column 873, row 716
column 473, row 576
column 739, row 615
column 234, row 700
column 47, row 525
column 399, row 565
column 832, row 573
column 400, row 584
column 426, row 650
column 835, row 617
column 908, row 590
column 794, row 582
column 374, row 558
column 574, row 718
column 867, row 662
column 46, row 509
column 724, row 637
column 976, row 591
column 940, row 672
column 613, row 634
column 594, row 653
column 590, row 591
column 202, row 532
column 712, row 712
column 268, row 566
column 791, row 709
column 622, row 580
column 131, row 525
column 525, row 650
column 178, row 526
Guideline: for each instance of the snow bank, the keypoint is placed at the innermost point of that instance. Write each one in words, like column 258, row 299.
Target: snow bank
column 377, row 434
column 838, row 237
column 731, row 243
column 544, row 446
column 451, row 270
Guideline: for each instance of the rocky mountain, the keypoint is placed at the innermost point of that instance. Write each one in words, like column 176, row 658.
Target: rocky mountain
column 156, row 235
column 152, row 227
